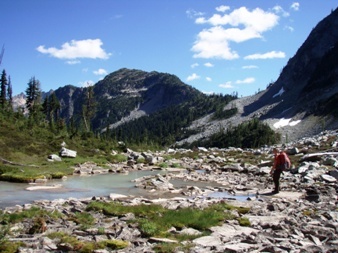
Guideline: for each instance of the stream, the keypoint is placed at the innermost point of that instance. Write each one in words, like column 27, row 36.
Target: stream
column 12, row 194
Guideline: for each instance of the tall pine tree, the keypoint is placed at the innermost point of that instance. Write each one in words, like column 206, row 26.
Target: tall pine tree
column 89, row 107
column 10, row 94
column 3, row 90
column 33, row 98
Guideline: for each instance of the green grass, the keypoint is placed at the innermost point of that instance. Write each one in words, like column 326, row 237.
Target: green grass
column 37, row 215
column 15, row 217
column 27, row 144
column 85, row 246
column 10, row 247
column 154, row 220
column 85, row 220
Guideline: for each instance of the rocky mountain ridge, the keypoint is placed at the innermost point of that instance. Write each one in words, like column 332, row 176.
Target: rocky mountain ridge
column 301, row 102
column 305, row 94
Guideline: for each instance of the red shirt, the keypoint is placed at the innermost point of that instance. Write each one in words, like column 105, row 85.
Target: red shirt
column 280, row 159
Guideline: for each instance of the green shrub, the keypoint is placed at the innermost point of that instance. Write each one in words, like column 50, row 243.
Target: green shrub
column 86, row 247
column 243, row 221
column 118, row 158
column 163, row 165
column 10, row 247
column 116, row 244
column 250, row 134
column 148, row 228
column 84, row 219
column 12, row 218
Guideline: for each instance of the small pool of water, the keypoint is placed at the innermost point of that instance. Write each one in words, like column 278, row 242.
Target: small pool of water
column 12, row 194
column 225, row 195
column 75, row 186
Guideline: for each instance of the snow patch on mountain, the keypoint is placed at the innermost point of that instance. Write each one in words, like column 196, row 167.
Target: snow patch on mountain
column 285, row 122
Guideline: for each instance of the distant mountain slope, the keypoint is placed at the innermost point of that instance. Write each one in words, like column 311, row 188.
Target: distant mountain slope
column 304, row 75
column 305, row 94
column 128, row 94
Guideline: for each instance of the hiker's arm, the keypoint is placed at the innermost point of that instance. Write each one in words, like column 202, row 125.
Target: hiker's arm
column 288, row 161
column 275, row 162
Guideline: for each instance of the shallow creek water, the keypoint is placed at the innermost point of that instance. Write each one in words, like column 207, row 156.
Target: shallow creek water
column 86, row 186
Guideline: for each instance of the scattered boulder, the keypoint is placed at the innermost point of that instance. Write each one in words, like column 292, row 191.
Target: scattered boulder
column 54, row 158
column 64, row 152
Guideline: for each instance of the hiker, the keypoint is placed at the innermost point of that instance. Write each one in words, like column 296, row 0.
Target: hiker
column 281, row 163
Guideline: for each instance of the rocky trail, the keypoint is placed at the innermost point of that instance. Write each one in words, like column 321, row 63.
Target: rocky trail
column 302, row 217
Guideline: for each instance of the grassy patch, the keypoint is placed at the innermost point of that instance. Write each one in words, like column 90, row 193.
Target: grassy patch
column 38, row 217
column 154, row 220
column 45, row 169
column 15, row 217
column 172, row 247
column 243, row 221
column 85, row 220
column 84, row 246
column 118, row 158
column 10, row 247
column 164, row 165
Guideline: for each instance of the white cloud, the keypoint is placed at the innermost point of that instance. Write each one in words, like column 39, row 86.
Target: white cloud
column 258, row 20
column 194, row 65
column 192, row 77
column 279, row 10
column 100, row 72
column 76, row 49
column 222, row 8
column 208, row 64
column 192, row 13
column 227, row 85
column 246, row 80
column 250, row 67
column 290, row 28
column 268, row 55
column 209, row 79
column 295, row 6
column 214, row 42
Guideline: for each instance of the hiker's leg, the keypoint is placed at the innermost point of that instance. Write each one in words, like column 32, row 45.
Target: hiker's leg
column 276, row 177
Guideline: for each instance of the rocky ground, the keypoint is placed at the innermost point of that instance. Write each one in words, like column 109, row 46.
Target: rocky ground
column 303, row 217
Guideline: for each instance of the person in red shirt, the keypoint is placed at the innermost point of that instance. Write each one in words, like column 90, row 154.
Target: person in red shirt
column 281, row 162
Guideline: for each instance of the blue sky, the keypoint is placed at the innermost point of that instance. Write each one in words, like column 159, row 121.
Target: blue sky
column 215, row 46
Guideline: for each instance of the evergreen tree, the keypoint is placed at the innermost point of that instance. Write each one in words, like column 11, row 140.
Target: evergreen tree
column 33, row 98
column 89, row 107
column 9, row 93
column 54, row 107
column 51, row 109
column 3, row 89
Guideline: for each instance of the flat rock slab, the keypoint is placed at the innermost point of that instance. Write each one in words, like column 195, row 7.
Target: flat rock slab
column 282, row 194
column 240, row 247
column 208, row 241
column 272, row 220
column 224, row 233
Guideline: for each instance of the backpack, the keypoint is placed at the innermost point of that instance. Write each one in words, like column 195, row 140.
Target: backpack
column 284, row 163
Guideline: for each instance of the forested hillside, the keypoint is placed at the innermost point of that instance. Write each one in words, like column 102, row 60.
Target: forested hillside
column 169, row 125
column 141, row 109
